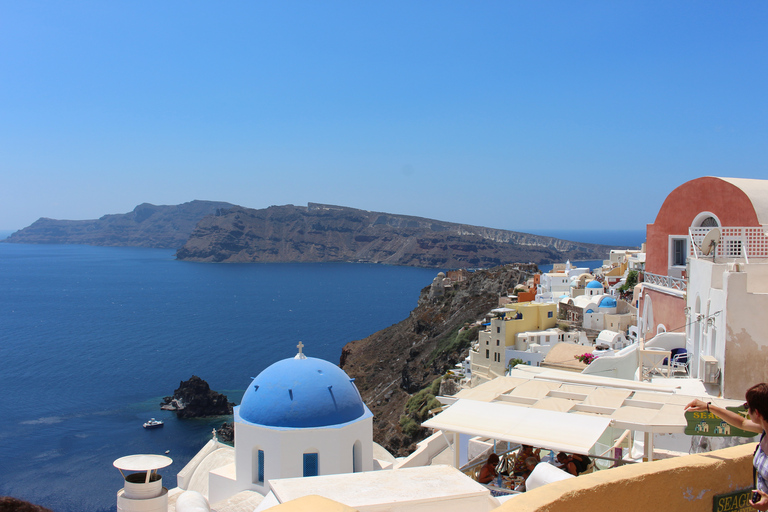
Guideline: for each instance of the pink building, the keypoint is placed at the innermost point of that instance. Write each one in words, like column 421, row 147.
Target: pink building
column 738, row 207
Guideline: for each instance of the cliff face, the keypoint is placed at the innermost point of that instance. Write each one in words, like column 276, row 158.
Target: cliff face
column 392, row 364
column 164, row 227
column 333, row 233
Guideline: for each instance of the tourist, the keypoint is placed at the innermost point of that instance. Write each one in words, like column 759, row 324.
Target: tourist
column 488, row 471
column 525, row 451
column 566, row 463
column 757, row 408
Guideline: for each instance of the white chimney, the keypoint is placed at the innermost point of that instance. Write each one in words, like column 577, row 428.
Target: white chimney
column 143, row 491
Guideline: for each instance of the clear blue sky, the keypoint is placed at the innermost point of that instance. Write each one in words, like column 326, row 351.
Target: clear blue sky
column 508, row 114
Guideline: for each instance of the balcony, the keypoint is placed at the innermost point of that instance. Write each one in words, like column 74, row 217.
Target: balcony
column 735, row 242
column 674, row 283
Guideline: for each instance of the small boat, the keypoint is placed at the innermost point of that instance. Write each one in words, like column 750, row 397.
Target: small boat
column 153, row 423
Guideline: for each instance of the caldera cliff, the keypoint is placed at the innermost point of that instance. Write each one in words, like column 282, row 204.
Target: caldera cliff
column 395, row 368
column 325, row 233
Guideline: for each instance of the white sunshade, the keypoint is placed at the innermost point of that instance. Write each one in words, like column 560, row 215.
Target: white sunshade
column 142, row 462
column 559, row 431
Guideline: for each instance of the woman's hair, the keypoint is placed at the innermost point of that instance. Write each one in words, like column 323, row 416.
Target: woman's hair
column 531, row 461
column 757, row 399
column 493, row 459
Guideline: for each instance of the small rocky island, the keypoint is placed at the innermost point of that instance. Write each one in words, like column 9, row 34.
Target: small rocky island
column 195, row 399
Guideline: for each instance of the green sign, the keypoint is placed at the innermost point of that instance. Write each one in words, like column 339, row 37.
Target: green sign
column 733, row 502
column 707, row 424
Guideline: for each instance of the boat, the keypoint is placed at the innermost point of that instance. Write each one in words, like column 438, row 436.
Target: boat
column 153, row 423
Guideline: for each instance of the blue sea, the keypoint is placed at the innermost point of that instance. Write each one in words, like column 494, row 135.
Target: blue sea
column 92, row 339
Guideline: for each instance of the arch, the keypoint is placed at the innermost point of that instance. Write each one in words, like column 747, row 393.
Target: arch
column 660, row 329
column 357, row 456
column 706, row 220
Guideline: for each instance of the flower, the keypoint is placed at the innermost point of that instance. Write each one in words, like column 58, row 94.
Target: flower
column 586, row 358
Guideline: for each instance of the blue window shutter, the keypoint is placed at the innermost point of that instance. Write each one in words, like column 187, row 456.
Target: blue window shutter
column 261, row 466
column 310, row 464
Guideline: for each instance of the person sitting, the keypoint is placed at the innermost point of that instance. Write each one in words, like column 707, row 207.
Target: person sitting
column 574, row 464
column 582, row 462
column 566, row 463
column 488, row 471
column 520, row 468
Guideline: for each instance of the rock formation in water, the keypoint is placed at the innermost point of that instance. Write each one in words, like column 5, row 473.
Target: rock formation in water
column 398, row 366
column 318, row 233
column 165, row 227
column 226, row 432
column 195, row 399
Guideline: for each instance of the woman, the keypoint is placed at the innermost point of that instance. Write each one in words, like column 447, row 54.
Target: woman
column 757, row 407
column 488, row 471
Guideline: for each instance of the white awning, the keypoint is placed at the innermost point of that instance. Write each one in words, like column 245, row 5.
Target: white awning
column 559, row 431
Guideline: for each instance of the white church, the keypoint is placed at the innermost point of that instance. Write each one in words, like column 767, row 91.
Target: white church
column 301, row 430
column 299, row 417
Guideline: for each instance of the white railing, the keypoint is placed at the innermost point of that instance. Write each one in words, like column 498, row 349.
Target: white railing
column 735, row 242
column 675, row 283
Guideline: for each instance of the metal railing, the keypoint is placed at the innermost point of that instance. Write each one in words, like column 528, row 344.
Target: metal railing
column 675, row 283
column 735, row 242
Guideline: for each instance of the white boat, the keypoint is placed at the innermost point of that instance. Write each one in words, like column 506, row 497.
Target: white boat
column 153, row 423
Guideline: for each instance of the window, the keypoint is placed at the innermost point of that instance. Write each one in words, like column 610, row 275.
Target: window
column 498, row 329
column 260, row 471
column 487, row 353
column 549, row 314
column 679, row 250
column 497, row 343
column 310, row 464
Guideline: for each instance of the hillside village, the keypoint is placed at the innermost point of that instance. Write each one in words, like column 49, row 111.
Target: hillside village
column 592, row 366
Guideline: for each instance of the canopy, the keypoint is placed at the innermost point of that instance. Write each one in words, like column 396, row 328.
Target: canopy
column 559, row 431
column 142, row 462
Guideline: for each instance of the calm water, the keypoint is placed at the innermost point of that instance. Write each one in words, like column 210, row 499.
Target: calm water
column 92, row 338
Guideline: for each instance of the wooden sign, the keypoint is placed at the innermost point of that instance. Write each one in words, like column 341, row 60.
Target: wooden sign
column 733, row 502
column 708, row 424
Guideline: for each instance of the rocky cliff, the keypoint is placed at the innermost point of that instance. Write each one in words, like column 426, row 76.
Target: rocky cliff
column 333, row 233
column 394, row 367
column 166, row 227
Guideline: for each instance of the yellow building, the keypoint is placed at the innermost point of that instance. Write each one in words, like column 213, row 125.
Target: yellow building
column 488, row 358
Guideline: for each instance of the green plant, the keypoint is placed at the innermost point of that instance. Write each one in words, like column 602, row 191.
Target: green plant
column 409, row 427
column 631, row 281
column 418, row 406
column 456, row 341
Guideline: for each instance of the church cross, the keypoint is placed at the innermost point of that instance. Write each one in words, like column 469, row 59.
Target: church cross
column 300, row 346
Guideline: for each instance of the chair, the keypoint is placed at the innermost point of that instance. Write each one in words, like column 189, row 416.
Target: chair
column 679, row 361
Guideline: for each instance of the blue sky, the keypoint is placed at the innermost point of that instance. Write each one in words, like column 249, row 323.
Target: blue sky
column 514, row 115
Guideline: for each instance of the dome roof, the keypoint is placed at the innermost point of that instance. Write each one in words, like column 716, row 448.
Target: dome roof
column 302, row 393
column 594, row 284
column 608, row 302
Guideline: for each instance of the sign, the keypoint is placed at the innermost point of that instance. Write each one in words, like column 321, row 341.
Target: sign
column 708, row 424
column 733, row 502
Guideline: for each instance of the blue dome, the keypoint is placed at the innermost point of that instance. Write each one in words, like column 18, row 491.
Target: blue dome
column 301, row 393
column 608, row 302
column 594, row 284
column 590, row 310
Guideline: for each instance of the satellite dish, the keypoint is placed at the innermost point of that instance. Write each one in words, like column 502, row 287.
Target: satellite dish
column 710, row 242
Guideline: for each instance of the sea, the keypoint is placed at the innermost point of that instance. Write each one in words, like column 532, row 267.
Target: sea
column 93, row 338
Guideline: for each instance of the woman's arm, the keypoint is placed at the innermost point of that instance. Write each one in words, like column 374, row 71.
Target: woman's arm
column 730, row 417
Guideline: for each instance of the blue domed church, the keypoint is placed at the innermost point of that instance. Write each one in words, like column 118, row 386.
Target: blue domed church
column 301, row 416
